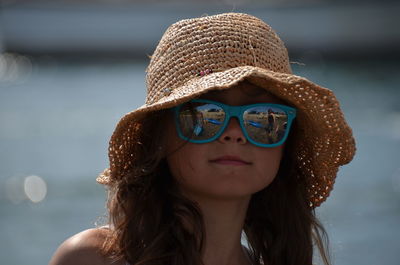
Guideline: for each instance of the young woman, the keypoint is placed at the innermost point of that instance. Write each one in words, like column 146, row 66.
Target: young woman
column 188, row 191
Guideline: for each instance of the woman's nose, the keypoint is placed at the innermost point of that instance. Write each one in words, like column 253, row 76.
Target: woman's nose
column 233, row 133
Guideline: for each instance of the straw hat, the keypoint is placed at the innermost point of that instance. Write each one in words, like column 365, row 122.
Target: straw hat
column 197, row 55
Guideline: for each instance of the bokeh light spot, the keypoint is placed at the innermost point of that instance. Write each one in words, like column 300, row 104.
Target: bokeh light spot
column 14, row 190
column 14, row 67
column 35, row 188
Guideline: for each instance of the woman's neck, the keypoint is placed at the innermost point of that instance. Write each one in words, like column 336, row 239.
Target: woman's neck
column 223, row 221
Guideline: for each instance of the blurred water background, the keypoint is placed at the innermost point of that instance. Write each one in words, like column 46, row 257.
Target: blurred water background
column 69, row 71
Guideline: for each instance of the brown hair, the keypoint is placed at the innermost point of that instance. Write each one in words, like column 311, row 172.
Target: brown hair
column 152, row 223
column 280, row 226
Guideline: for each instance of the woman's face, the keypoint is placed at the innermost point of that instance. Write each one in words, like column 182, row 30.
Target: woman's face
column 229, row 167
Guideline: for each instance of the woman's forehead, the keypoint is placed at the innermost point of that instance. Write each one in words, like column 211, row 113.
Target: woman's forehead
column 246, row 91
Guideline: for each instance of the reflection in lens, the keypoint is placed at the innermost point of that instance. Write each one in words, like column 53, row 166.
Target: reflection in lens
column 266, row 125
column 200, row 121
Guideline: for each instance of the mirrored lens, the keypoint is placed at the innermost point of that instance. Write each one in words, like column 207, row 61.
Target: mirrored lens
column 265, row 124
column 200, row 121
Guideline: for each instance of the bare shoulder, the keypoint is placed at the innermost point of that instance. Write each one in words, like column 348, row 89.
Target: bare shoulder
column 83, row 248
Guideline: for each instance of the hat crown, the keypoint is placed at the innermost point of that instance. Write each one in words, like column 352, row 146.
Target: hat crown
column 212, row 44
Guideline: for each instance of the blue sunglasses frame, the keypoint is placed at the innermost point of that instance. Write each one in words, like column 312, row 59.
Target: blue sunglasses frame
column 236, row 111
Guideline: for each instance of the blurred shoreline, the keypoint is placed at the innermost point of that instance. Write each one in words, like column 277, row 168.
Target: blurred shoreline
column 132, row 30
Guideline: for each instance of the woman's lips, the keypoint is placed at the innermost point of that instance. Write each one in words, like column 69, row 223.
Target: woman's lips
column 230, row 160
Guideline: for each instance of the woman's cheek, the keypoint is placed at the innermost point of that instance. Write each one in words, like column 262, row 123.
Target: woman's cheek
column 269, row 164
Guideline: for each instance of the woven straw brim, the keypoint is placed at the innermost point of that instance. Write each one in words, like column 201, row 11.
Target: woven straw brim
column 325, row 139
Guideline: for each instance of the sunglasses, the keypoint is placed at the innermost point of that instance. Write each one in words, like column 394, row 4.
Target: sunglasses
column 263, row 124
